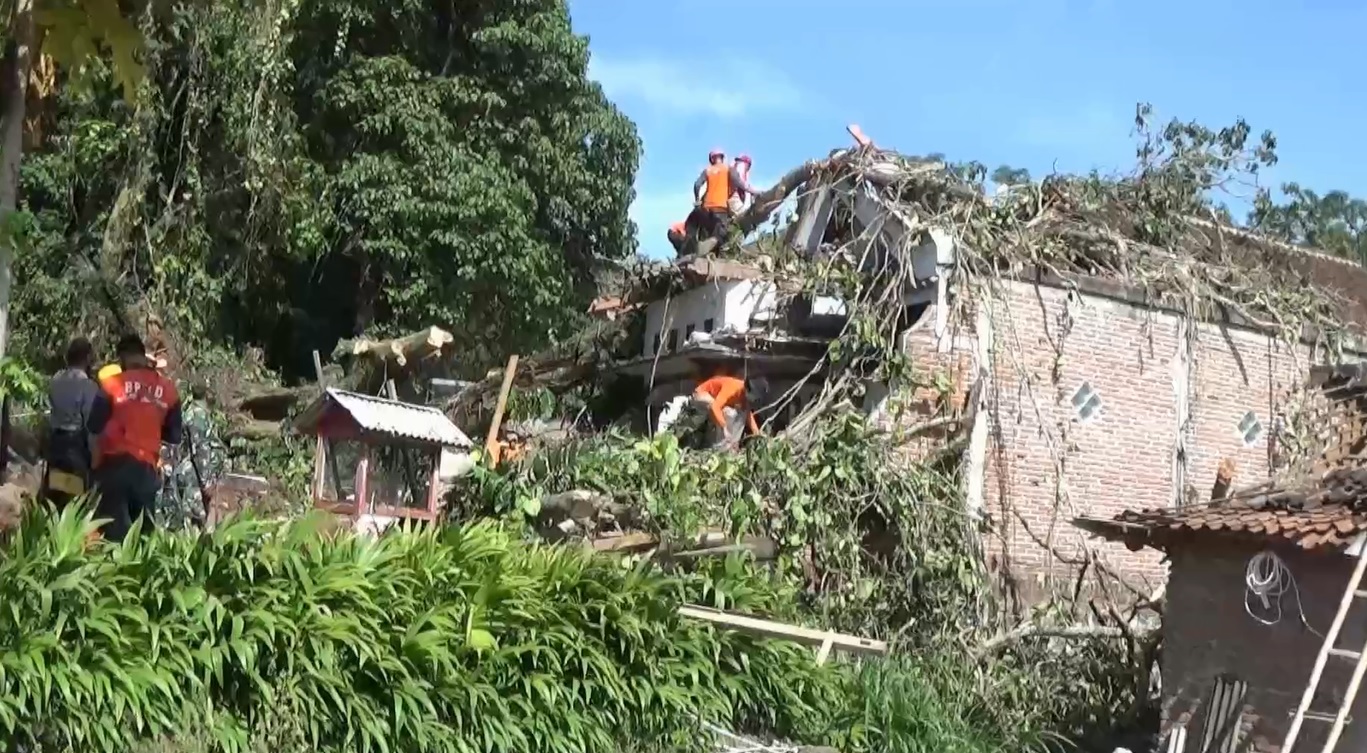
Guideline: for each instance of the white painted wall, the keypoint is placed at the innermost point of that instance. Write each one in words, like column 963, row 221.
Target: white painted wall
column 736, row 305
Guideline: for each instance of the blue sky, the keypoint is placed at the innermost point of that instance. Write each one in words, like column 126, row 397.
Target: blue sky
column 1040, row 84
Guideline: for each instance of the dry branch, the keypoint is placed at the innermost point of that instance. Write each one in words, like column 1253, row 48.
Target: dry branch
column 1029, row 630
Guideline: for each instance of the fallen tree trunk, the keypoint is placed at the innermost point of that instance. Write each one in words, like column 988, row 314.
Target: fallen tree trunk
column 1029, row 630
column 252, row 430
column 276, row 403
column 707, row 544
column 769, row 200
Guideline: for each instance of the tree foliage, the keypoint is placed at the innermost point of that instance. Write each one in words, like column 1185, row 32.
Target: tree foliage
column 299, row 171
column 872, row 544
column 1334, row 222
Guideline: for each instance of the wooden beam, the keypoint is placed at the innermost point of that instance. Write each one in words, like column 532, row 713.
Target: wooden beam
column 491, row 442
column 824, row 640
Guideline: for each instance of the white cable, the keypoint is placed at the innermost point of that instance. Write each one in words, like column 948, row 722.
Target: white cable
column 1268, row 578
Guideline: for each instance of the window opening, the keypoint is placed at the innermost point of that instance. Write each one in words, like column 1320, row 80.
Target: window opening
column 1086, row 402
column 1250, row 429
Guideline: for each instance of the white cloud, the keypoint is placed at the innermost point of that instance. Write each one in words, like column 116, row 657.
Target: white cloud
column 727, row 89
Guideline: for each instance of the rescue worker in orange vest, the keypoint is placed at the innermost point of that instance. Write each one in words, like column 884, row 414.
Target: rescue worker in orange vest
column 712, row 193
column 724, row 396
column 137, row 409
column 677, row 234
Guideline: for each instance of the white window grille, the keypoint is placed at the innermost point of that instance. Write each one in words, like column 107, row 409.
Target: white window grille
column 1250, row 429
column 1086, row 402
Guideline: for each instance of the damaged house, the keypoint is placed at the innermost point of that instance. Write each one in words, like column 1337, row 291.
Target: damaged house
column 1262, row 582
column 1093, row 370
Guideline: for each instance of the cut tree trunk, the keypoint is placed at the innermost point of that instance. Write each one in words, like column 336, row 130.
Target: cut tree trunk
column 14, row 84
column 398, row 351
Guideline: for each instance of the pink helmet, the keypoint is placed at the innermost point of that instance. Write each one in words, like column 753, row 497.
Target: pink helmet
column 746, row 159
column 715, row 153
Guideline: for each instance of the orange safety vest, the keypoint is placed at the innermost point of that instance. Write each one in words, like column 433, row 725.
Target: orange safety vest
column 718, row 186
column 141, row 399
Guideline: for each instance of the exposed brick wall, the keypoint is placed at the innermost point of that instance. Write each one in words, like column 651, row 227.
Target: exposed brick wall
column 1207, row 633
column 1046, row 342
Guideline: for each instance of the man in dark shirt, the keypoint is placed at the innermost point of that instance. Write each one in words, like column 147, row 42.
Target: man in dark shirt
column 68, row 449
column 135, row 411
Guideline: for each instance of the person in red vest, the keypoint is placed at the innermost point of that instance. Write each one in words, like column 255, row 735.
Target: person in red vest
column 135, row 411
column 712, row 193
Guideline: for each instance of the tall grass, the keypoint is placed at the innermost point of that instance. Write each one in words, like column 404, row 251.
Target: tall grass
column 461, row 639
column 272, row 636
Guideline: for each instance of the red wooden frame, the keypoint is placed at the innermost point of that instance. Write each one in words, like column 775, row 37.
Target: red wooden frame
column 359, row 506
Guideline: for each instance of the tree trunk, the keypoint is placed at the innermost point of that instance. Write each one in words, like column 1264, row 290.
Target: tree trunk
column 14, row 83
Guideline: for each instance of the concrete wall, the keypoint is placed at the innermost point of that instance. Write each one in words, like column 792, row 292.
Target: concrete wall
column 1157, row 379
column 715, row 306
column 1207, row 633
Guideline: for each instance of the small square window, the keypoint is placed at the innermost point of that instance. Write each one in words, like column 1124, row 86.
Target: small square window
column 673, row 343
column 1250, row 429
column 1086, row 402
column 707, row 325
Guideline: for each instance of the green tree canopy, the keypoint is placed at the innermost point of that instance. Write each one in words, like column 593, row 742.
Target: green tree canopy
column 1334, row 222
column 302, row 172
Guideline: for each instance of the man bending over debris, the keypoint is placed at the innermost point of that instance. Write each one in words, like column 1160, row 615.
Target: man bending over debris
column 137, row 409
column 725, row 397
column 68, row 448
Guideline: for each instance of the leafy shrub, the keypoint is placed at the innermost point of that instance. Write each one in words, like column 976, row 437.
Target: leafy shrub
column 460, row 639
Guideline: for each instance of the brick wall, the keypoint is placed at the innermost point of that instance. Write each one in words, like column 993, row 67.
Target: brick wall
column 1207, row 633
column 1045, row 465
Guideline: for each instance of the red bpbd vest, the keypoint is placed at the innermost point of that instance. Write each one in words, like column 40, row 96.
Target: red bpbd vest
column 141, row 399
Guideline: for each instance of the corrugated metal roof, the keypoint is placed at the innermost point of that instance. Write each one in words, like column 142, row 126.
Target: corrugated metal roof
column 399, row 419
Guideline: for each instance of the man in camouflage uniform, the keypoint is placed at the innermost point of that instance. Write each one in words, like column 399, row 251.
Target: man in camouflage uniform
column 181, row 501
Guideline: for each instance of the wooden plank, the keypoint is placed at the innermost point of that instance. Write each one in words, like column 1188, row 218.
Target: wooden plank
column 491, row 442
column 324, row 445
column 782, row 631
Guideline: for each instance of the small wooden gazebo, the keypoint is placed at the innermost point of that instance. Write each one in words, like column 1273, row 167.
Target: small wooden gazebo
column 378, row 457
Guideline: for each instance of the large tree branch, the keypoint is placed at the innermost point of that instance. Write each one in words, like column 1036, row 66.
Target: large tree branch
column 769, row 200
column 1029, row 630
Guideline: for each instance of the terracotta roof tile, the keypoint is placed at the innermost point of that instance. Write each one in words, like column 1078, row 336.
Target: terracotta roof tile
column 1329, row 511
